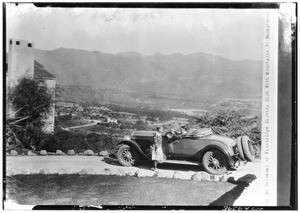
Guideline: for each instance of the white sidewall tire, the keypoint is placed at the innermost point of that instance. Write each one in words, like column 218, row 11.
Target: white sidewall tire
column 240, row 148
column 245, row 144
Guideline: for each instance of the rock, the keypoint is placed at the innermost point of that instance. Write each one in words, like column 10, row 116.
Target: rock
column 224, row 177
column 177, row 175
column 62, row 171
column 30, row 153
column 143, row 173
column 104, row 153
column 44, row 171
column 51, row 153
column 107, row 171
column 164, row 174
column 86, row 171
column 182, row 175
column 217, row 178
column 43, row 152
column 71, row 152
column 59, row 152
column 137, row 173
column 14, row 153
column 89, row 152
column 25, row 172
column 7, row 154
column 115, row 172
column 23, row 154
column 122, row 172
column 205, row 176
column 197, row 176
column 96, row 154
column 130, row 173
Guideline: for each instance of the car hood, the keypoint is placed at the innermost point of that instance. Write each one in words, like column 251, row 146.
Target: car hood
column 143, row 134
column 226, row 140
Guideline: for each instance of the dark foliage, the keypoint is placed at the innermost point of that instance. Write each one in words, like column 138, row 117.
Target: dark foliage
column 34, row 101
column 233, row 124
column 34, row 98
column 67, row 140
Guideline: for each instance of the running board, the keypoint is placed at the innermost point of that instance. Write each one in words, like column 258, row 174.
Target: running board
column 182, row 162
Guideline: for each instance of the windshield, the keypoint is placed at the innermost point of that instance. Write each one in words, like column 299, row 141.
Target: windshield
column 201, row 132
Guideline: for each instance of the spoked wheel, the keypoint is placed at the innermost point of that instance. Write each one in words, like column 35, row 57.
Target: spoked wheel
column 215, row 162
column 127, row 156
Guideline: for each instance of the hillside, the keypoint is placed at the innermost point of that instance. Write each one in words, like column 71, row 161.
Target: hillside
column 193, row 76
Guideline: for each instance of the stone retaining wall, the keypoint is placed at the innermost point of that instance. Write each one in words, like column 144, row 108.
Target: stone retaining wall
column 142, row 173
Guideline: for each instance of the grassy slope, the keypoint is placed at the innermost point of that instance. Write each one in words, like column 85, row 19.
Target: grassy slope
column 112, row 190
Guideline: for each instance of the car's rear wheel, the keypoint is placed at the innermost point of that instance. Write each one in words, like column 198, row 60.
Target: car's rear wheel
column 214, row 162
column 240, row 148
column 249, row 151
column 127, row 156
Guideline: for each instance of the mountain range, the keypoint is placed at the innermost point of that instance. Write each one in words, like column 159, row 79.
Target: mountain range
column 194, row 76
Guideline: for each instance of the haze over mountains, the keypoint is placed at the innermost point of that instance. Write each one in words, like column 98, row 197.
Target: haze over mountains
column 193, row 76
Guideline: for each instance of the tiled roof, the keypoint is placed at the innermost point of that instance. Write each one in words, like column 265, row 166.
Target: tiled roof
column 41, row 72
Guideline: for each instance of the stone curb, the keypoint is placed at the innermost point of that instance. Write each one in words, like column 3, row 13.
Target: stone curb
column 58, row 153
column 141, row 173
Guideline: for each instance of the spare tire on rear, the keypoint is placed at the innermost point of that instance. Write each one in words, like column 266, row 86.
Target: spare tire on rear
column 248, row 148
column 240, row 149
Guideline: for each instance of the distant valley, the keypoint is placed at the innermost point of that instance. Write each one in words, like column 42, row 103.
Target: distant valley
column 132, row 78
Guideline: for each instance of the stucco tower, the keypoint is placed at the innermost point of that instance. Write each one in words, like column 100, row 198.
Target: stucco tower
column 20, row 60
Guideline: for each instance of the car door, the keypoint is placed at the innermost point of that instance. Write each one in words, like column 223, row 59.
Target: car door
column 190, row 145
column 171, row 147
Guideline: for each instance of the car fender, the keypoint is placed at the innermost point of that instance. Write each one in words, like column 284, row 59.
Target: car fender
column 219, row 146
column 135, row 145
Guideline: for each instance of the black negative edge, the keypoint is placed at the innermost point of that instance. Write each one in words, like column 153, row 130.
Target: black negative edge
column 240, row 5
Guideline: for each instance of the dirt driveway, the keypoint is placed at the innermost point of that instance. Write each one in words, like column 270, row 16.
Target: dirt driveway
column 73, row 164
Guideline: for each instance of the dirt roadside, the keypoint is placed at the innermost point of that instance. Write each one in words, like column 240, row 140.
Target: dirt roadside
column 74, row 164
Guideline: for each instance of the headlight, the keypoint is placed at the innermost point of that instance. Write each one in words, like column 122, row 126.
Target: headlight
column 127, row 137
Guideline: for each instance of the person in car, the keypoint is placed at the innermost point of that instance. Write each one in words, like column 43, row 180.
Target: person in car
column 156, row 148
column 182, row 131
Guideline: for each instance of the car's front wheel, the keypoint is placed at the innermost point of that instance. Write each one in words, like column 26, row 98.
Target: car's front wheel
column 127, row 156
column 214, row 162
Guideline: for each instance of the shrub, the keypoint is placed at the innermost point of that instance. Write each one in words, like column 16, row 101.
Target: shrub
column 79, row 141
column 34, row 100
column 12, row 127
column 233, row 124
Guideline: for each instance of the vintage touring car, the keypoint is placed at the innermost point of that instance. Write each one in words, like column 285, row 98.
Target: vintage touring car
column 216, row 153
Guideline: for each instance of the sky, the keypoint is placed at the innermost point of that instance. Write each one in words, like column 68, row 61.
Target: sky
column 236, row 34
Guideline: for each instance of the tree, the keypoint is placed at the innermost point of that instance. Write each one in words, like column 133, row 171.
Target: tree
column 11, row 127
column 34, row 101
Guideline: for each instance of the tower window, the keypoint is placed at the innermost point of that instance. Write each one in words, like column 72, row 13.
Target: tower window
column 17, row 43
column 10, row 42
column 29, row 45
